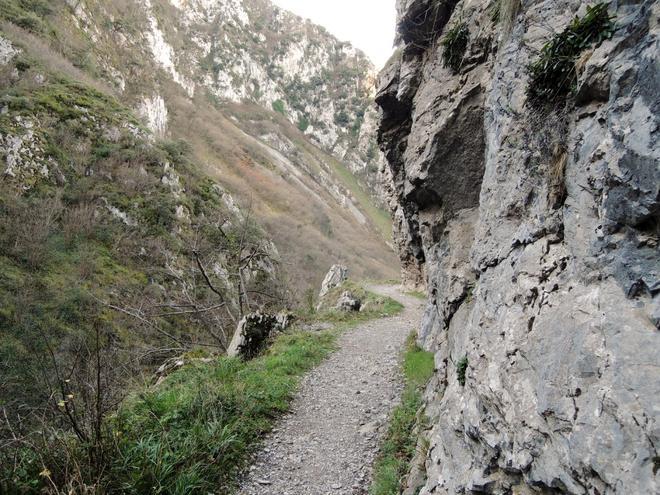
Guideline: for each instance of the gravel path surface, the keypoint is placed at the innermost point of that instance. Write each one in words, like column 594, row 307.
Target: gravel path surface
column 328, row 443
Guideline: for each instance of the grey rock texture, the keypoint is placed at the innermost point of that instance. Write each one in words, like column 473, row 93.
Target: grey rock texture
column 334, row 278
column 253, row 332
column 348, row 302
column 536, row 233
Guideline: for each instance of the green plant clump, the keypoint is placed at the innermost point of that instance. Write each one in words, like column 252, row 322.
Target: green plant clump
column 279, row 106
column 455, row 43
column 303, row 123
column 461, row 369
column 553, row 76
column 398, row 449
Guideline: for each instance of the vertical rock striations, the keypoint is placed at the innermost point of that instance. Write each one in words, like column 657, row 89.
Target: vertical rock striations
column 535, row 228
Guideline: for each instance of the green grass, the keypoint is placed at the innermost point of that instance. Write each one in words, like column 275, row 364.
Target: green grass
column 195, row 432
column 374, row 306
column 398, row 449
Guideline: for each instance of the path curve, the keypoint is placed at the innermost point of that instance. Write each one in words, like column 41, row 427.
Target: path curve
column 328, row 442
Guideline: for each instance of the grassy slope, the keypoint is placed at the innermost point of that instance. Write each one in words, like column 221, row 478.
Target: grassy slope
column 311, row 231
column 196, row 431
column 311, row 234
column 398, row 449
column 380, row 218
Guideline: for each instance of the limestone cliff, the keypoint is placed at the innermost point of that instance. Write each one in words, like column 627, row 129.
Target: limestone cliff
column 535, row 228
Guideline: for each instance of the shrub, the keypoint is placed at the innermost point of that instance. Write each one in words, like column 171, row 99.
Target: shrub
column 461, row 369
column 78, row 222
column 455, row 43
column 279, row 106
column 303, row 123
column 553, row 76
column 342, row 118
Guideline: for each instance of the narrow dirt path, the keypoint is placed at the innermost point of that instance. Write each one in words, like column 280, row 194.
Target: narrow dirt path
column 328, row 443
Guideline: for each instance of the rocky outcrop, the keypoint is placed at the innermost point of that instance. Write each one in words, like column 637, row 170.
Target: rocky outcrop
column 253, row 333
column 348, row 302
column 536, row 232
column 241, row 51
column 336, row 276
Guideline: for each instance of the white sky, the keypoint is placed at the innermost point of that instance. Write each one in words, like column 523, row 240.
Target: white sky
column 367, row 24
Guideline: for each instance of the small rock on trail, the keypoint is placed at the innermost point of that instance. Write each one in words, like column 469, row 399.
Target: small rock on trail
column 328, row 442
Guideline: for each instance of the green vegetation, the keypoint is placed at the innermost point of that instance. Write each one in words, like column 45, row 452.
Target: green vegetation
column 398, row 449
column 93, row 258
column 303, row 123
column 378, row 216
column 461, row 370
column 279, row 106
column 553, row 75
column 504, row 12
column 27, row 14
column 373, row 306
column 454, row 44
column 194, row 433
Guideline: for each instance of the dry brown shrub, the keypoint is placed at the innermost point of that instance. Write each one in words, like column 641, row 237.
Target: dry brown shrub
column 79, row 221
column 29, row 228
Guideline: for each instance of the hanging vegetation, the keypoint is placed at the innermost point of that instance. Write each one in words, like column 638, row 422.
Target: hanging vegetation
column 455, row 43
column 553, row 74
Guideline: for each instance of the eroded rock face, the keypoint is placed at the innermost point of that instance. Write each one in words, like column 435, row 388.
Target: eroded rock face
column 536, row 233
column 348, row 302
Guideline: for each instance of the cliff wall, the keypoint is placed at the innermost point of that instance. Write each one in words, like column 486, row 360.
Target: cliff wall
column 533, row 221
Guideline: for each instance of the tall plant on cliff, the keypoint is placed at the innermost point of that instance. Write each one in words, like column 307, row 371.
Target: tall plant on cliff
column 554, row 75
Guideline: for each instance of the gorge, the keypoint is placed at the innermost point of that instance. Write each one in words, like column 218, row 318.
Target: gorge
column 176, row 172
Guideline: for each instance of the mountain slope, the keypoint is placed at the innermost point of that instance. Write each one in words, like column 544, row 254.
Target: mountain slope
column 238, row 80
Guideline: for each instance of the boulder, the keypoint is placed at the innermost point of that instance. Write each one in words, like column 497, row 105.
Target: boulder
column 348, row 302
column 253, row 332
column 334, row 278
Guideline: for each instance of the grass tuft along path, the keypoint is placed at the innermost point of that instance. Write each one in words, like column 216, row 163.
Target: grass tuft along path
column 330, row 439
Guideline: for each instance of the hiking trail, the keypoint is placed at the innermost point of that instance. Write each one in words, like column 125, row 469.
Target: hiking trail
column 329, row 440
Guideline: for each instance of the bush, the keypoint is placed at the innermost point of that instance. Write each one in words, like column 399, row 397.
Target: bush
column 279, row 106
column 455, row 43
column 553, row 76
column 461, row 369
column 303, row 123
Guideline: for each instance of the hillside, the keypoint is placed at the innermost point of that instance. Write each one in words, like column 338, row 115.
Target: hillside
column 150, row 197
column 164, row 60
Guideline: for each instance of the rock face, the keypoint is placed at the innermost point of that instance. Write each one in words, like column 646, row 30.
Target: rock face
column 246, row 51
column 334, row 278
column 536, row 232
